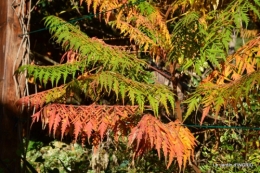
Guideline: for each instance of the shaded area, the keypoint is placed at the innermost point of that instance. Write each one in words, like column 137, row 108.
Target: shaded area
column 9, row 145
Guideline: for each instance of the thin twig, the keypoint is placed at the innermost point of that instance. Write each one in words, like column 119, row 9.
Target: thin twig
column 44, row 57
column 35, row 5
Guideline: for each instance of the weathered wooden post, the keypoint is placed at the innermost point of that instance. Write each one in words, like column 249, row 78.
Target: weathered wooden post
column 12, row 53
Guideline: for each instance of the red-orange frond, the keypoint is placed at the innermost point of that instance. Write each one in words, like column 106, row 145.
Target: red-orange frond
column 39, row 99
column 85, row 119
column 173, row 139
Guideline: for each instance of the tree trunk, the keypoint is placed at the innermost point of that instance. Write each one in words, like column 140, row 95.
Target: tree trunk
column 10, row 140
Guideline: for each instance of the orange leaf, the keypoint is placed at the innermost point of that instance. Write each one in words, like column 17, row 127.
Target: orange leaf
column 57, row 120
column 35, row 117
column 102, row 129
column 236, row 76
column 77, row 128
column 52, row 115
column 65, row 123
column 204, row 113
column 88, row 129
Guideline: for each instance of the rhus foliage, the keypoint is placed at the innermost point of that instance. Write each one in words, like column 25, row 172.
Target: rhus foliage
column 231, row 86
column 102, row 90
column 203, row 39
column 99, row 70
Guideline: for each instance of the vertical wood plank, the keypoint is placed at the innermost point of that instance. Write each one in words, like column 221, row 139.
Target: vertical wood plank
column 10, row 161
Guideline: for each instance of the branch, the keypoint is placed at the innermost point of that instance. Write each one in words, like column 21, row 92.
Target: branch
column 35, row 5
column 43, row 57
column 161, row 72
